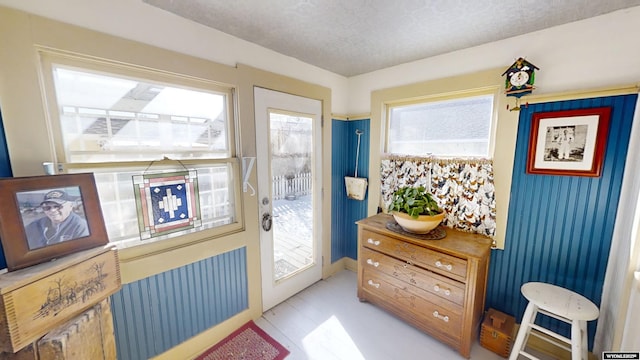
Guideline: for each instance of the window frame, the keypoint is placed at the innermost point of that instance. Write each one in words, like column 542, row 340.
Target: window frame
column 456, row 95
column 49, row 58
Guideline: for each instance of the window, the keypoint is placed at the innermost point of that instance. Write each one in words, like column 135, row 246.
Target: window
column 118, row 121
column 451, row 128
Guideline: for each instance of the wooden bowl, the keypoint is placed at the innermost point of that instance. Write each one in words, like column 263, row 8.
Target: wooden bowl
column 422, row 225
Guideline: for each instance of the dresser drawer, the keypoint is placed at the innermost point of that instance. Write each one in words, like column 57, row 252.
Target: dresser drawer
column 436, row 284
column 439, row 318
column 441, row 263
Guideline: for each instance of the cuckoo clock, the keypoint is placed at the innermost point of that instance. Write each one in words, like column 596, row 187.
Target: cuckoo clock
column 519, row 80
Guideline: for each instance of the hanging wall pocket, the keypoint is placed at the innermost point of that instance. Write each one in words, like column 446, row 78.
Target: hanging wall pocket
column 356, row 187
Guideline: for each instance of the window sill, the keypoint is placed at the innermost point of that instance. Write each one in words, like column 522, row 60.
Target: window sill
column 144, row 260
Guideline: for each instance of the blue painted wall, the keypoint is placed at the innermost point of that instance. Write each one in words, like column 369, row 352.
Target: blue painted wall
column 560, row 228
column 5, row 171
column 157, row 313
column 345, row 212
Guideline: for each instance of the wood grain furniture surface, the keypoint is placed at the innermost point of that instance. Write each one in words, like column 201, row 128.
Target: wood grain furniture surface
column 438, row 286
column 496, row 332
column 37, row 299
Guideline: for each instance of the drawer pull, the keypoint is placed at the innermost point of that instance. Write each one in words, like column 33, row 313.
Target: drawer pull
column 437, row 288
column 374, row 242
column 441, row 265
column 444, row 318
column 374, row 263
column 370, row 282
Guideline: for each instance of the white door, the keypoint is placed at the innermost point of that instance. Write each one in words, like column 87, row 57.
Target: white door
column 289, row 166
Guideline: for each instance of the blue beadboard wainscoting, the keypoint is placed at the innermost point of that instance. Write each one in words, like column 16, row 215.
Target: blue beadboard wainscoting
column 157, row 313
column 560, row 228
column 345, row 212
column 5, row 171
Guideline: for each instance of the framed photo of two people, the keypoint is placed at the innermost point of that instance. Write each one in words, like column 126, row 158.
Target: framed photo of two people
column 46, row 217
column 571, row 142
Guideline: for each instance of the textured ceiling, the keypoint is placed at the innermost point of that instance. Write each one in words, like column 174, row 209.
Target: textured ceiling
column 351, row 37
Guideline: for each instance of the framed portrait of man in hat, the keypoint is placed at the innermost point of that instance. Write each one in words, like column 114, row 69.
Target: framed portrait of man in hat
column 49, row 217
column 58, row 215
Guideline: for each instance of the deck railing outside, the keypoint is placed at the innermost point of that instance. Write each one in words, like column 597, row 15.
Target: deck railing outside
column 291, row 186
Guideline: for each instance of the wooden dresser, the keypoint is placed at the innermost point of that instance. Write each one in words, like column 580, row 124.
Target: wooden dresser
column 437, row 286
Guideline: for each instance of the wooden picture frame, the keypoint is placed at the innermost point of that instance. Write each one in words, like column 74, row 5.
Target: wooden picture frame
column 46, row 217
column 568, row 142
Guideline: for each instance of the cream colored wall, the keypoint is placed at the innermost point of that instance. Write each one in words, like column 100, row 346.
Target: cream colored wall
column 576, row 60
column 27, row 130
column 588, row 54
column 135, row 20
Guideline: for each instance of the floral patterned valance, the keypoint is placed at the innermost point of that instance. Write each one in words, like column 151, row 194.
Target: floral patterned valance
column 464, row 188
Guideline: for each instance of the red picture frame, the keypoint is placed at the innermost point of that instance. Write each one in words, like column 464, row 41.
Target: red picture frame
column 32, row 227
column 570, row 143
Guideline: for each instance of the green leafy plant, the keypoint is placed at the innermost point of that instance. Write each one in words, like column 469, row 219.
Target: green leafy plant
column 414, row 201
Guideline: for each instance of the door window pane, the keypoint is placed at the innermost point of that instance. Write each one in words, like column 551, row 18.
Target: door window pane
column 291, row 168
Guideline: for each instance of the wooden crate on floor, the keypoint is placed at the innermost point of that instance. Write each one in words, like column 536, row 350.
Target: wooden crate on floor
column 27, row 353
column 88, row 336
column 38, row 299
column 496, row 333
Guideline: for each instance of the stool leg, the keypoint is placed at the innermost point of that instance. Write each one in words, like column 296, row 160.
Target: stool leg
column 528, row 318
column 576, row 340
column 585, row 340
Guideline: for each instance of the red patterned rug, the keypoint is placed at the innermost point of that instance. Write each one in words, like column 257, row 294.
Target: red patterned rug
column 247, row 343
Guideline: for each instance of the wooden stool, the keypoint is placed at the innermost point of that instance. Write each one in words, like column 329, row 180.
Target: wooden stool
column 561, row 304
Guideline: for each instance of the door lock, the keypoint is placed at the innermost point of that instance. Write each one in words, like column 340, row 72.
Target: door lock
column 267, row 221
